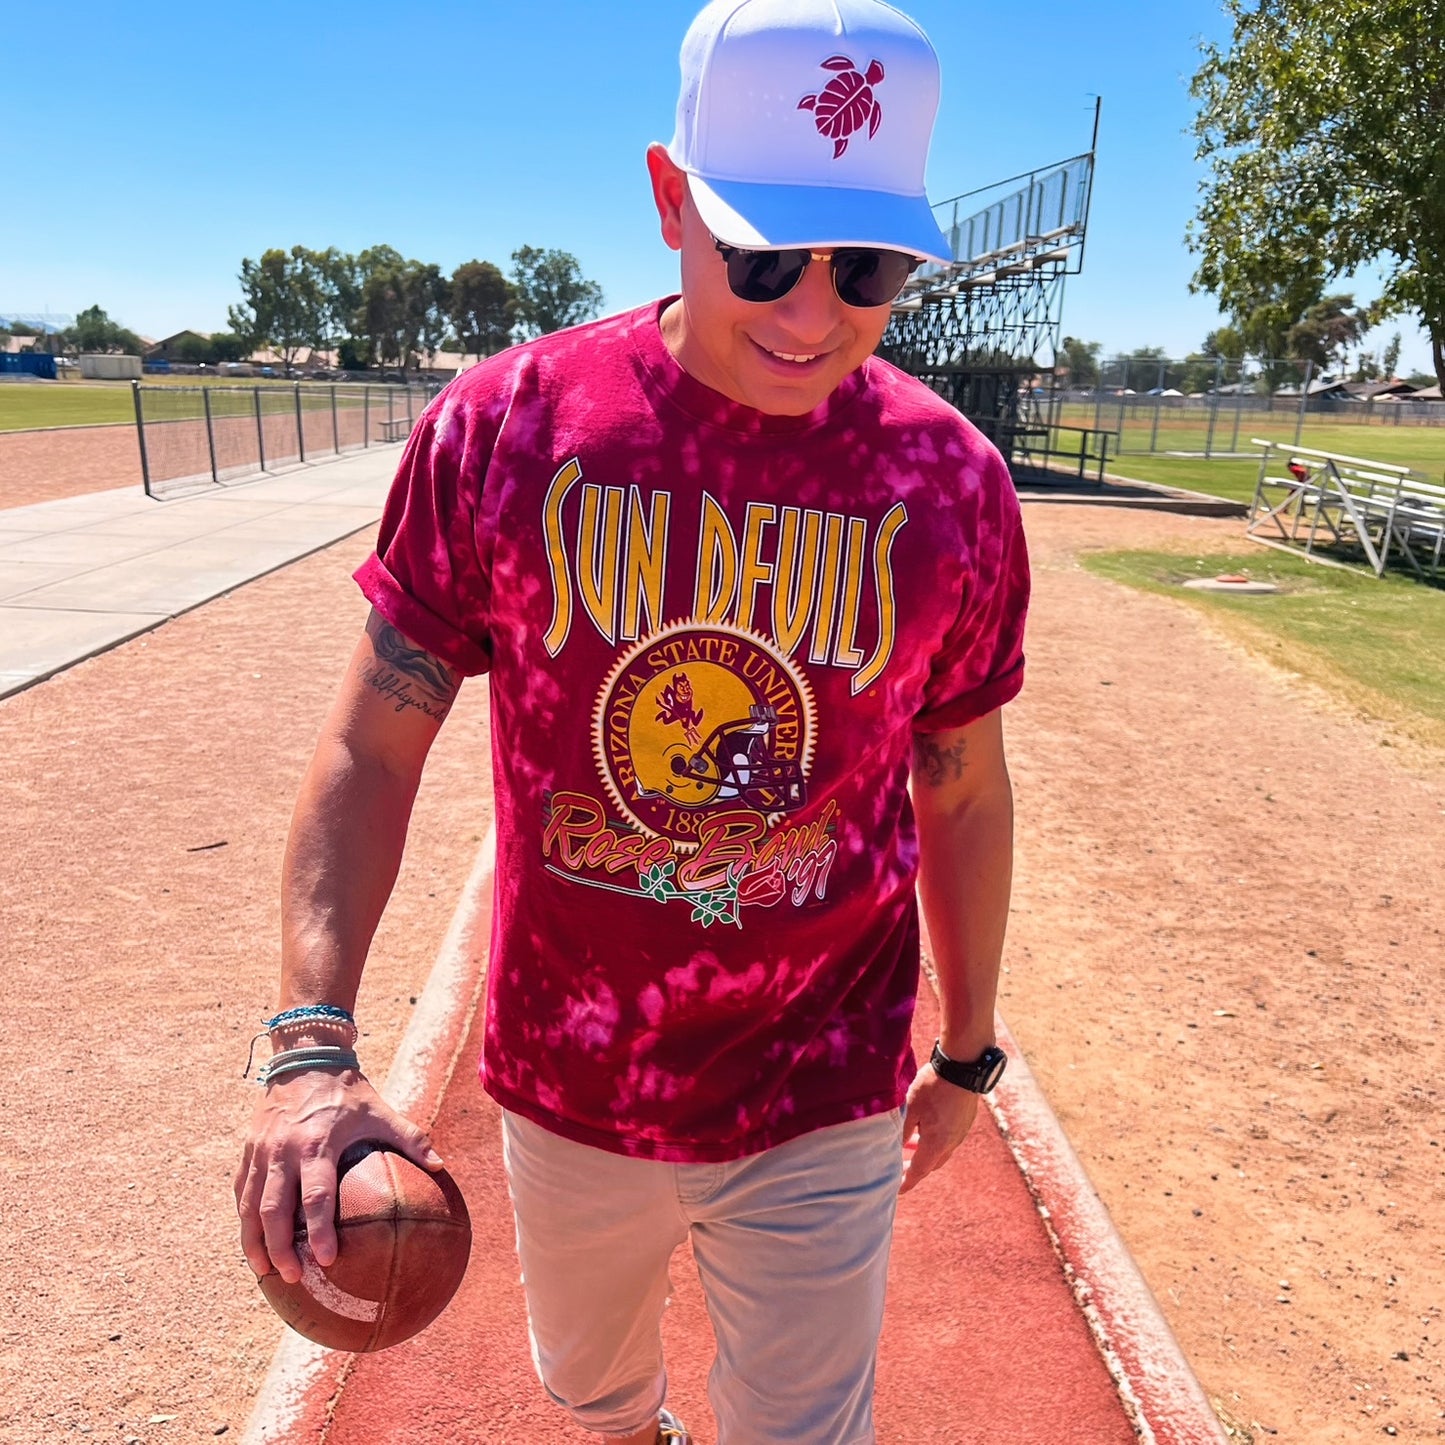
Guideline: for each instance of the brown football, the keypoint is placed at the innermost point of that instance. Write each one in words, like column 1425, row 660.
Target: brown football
column 403, row 1237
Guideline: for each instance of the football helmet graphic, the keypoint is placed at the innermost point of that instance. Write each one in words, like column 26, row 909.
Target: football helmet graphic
column 703, row 717
column 736, row 762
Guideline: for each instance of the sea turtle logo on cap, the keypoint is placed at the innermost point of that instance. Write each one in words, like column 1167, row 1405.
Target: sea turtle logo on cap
column 846, row 102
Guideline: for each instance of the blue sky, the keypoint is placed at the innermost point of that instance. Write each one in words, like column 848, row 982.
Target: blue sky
column 162, row 143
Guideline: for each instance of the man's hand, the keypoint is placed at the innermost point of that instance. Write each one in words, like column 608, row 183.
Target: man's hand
column 937, row 1120
column 342, row 858
column 299, row 1130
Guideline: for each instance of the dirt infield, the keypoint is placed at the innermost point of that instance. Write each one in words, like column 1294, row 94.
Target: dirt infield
column 146, row 798
column 41, row 466
column 1224, row 965
column 1226, row 960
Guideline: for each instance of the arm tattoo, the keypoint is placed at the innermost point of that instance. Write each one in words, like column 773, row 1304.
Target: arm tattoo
column 936, row 763
column 408, row 676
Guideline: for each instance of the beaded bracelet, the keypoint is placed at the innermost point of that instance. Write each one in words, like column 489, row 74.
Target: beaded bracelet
column 295, row 1026
column 327, row 1014
column 293, row 1061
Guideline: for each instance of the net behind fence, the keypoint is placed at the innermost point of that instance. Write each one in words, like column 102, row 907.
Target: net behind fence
column 194, row 437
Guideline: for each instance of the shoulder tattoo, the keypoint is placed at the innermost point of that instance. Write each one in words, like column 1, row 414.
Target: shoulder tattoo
column 410, row 678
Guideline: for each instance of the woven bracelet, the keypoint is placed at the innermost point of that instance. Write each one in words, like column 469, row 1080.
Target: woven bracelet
column 293, row 1066
column 312, row 1013
column 315, row 1053
column 295, row 1060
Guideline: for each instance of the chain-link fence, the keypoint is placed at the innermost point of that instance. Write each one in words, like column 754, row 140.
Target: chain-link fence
column 1210, row 407
column 199, row 436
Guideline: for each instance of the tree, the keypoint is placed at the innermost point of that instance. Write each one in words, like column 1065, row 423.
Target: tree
column 551, row 291
column 353, row 355
column 1367, row 367
column 1324, row 334
column 282, row 306
column 1142, row 369
column 1268, row 323
column 227, row 346
column 374, row 319
column 1201, row 372
column 383, row 314
column 483, row 309
column 94, row 331
column 338, row 279
column 1379, row 365
column 429, row 297
column 1324, row 130
column 404, row 306
column 1390, row 357
column 297, row 298
column 1227, row 342
column 194, row 350
column 1080, row 359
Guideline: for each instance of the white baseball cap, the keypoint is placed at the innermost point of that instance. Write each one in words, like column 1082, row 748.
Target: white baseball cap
column 807, row 123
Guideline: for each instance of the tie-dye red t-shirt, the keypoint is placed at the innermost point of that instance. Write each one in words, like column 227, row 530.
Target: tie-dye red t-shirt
column 710, row 634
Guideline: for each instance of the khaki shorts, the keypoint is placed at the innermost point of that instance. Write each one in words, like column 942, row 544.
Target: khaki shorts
column 792, row 1251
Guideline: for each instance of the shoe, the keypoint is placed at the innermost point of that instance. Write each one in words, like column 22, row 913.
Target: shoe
column 671, row 1430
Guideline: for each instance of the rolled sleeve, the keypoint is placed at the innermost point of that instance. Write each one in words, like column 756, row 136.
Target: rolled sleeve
column 980, row 665
column 428, row 576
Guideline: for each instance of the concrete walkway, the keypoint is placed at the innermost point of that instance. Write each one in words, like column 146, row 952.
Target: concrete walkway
column 80, row 575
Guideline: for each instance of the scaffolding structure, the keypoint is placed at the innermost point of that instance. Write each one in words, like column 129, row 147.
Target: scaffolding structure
column 46, row 323
column 983, row 330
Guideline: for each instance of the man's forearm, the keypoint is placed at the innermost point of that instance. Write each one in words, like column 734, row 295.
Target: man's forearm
column 965, row 878
column 342, row 858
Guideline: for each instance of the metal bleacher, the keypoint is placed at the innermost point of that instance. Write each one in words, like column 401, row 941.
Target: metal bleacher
column 983, row 328
column 1324, row 504
column 1035, row 228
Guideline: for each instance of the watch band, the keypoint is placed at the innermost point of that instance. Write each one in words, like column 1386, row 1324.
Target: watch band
column 978, row 1076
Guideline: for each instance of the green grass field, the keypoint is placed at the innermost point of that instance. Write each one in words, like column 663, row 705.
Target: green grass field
column 1379, row 643
column 1233, row 478
column 63, row 403
column 1420, row 447
column 26, row 405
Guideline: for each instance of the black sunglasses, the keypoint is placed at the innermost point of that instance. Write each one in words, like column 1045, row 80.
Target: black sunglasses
column 862, row 275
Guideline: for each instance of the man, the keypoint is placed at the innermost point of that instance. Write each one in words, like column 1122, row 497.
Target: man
column 735, row 582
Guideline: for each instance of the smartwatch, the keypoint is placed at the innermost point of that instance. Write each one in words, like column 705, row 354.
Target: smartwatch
column 977, row 1077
